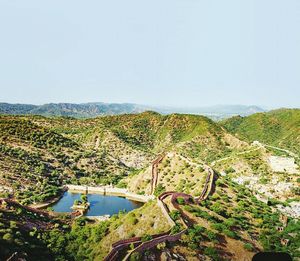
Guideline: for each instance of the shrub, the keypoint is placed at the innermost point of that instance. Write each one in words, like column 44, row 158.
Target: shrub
column 211, row 235
column 133, row 220
column 230, row 233
column 175, row 215
column 135, row 256
column 180, row 201
column 248, row 246
column 161, row 246
column 219, row 227
column 230, row 222
column 219, row 209
column 13, row 224
column 146, row 238
column 8, row 237
column 159, row 190
column 230, row 170
column 211, row 252
column 175, row 229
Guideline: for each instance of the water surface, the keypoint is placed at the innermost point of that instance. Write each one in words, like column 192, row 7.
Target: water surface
column 99, row 204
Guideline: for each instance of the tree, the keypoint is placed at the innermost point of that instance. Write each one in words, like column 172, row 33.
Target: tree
column 159, row 190
column 180, row 200
column 8, row 237
column 84, row 198
column 175, row 215
column 248, row 246
column 212, row 252
column 135, row 256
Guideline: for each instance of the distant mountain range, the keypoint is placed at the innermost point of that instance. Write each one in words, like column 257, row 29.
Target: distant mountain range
column 90, row 110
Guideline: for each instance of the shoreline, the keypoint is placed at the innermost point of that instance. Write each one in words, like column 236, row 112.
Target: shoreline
column 49, row 202
column 101, row 190
column 108, row 190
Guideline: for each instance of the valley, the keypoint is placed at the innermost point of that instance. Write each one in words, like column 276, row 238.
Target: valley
column 214, row 190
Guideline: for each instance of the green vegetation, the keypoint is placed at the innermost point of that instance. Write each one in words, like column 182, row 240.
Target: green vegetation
column 278, row 128
column 39, row 155
column 44, row 238
column 233, row 209
column 54, row 151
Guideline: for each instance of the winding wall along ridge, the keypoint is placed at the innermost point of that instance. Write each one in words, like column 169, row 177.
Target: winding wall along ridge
column 156, row 239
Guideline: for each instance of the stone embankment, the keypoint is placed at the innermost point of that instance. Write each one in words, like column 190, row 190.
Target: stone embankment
column 99, row 218
column 109, row 190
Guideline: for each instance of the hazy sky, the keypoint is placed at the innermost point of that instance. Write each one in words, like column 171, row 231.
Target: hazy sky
column 159, row 52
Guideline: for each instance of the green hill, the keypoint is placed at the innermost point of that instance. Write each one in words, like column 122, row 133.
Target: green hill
column 231, row 225
column 38, row 154
column 278, row 128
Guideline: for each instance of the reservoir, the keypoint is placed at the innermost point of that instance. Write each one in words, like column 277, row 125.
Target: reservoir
column 99, row 204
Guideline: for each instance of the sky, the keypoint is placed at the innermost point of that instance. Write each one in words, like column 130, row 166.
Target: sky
column 158, row 52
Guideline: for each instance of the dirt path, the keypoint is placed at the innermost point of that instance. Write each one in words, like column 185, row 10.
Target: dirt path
column 230, row 157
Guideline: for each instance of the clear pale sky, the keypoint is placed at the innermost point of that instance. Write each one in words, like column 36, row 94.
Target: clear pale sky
column 158, row 52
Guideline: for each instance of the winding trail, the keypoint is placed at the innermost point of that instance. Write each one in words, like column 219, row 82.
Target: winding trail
column 139, row 246
column 259, row 146
column 237, row 154
column 292, row 154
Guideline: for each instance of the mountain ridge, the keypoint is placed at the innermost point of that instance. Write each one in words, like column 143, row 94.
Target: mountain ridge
column 94, row 109
column 39, row 155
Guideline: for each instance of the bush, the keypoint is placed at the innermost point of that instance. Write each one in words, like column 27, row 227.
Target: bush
column 8, row 237
column 230, row 233
column 146, row 238
column 175, row 229
column 211, row 235
column 230, row 170
column 133, row 220
column 219, row 227
column 230, row 222
column 180, row 201
column 13, row 224
column 135, row 256
column 219, row 209
column 211, row 252
column 159, row 190
column 175, row 215
column 248, row 246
